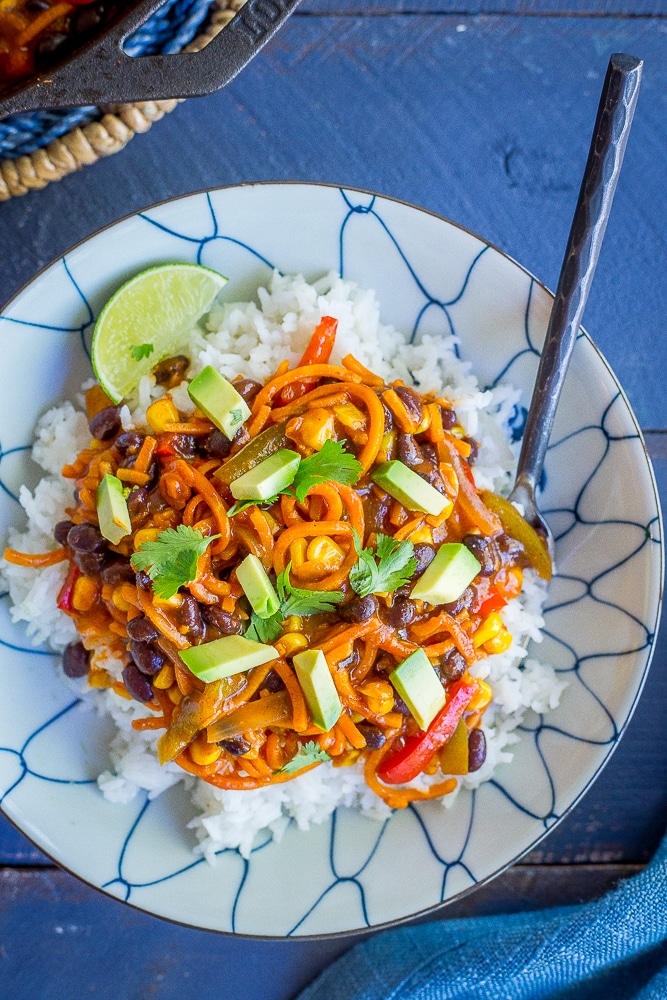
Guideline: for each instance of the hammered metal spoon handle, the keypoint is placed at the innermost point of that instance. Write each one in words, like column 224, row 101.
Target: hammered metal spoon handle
column 610, row 136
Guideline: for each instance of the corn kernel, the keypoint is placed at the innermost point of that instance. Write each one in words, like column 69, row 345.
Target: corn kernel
column 297, row 551
column 316, row 427
column 499, row 643
column 85, row 593
column 379, row 696
column 323, row 549
column 161, row 412
column 145, row 535
column 293, row 623
column 292, row 642
column 422, row 534
column 482, row 698
column 175, row 695
column 489, row 628
column 165, row 678
column 99, row 678
column 204, row 753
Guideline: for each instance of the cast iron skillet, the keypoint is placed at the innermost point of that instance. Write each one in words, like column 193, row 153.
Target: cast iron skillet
column 101, row 73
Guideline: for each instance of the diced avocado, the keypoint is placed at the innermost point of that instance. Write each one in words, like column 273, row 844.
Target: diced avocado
column 257, row 587
column 112, row 512
column 219, row 400
column 408, row 488
column 268, row 478
column 232, row 654
column 318, row 687
column 419, row 686
column 447, row 576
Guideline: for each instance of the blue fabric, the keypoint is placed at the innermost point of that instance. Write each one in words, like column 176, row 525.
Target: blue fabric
column 166, row 32
column 611, row 949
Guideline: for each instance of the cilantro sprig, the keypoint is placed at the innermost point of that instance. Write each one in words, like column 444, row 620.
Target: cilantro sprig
column 331, row 464
column 308, row 753
column 395, row 565
column 171, row 560
column 293, row 601
column 139, row 351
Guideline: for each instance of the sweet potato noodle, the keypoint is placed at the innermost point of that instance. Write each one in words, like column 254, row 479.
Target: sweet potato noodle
column 241, row 731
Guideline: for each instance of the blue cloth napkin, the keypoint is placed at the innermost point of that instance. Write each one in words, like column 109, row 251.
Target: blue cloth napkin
column 611, row 949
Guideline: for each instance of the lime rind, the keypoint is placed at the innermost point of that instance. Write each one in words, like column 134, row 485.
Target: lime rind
column 156, row 307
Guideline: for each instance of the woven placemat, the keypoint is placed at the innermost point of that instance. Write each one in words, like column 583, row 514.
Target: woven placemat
column 110, row 131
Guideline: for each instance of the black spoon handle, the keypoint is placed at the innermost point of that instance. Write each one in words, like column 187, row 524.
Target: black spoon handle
column 610, row 137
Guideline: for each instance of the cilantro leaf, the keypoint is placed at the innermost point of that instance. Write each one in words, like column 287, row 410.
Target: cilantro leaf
column 264, row 630
column 244, row 504
column 308, row 753
column 332, row 462
column 298, row 601
column 139, row 351
column 171, row 560
column 395, row 566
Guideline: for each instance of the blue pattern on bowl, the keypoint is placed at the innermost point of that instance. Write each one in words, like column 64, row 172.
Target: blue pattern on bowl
column 601, row 617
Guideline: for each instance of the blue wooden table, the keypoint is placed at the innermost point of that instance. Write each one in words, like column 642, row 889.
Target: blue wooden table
column 481, row 112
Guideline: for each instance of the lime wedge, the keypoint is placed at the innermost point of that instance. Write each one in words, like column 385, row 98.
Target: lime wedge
column 145, row 320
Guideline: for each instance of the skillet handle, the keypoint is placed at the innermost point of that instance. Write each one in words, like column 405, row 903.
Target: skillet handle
column 102, row 73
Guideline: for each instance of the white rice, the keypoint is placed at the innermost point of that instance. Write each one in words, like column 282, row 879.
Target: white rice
column 251, row 339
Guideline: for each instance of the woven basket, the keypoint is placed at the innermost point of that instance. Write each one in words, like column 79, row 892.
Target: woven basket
column 110, row 130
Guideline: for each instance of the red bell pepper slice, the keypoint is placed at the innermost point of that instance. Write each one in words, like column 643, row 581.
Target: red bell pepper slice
column 406, row 763
column 494, row 602
column 317, row 352
column 67, row 590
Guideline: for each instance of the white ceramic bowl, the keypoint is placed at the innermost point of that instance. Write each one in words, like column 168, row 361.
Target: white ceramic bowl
column 603, row 607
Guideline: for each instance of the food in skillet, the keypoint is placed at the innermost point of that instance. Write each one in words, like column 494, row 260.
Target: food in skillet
column 274, row 574
column 34, row 33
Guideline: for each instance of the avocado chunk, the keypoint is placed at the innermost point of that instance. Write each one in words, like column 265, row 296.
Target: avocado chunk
column 318, row 687
column 419, row 686
column 257, row 587
column 271, row 476
column 219, row 400
column 447, row 576
column 232, row 654
column 410, row 489
column 112, row 512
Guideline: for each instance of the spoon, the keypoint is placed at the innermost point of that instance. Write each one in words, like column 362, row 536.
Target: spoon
column 610, row 136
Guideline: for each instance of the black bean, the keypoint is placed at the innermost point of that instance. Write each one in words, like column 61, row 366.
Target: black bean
column 61, row 531
column 411, row 402
column 171, row 371
column 448, row 417
column 359, row 609
column 400, row 706
column 141, row 629
column 36, row 6
column 409, row 451
column 384, row 663
column 137, row 500
column 138, row 686
column 216, row 444
column 189, row 616
column 474, row 450
column 401, row 613
column 424, row 554
column 376, row 511
column 155, row 502
column 247, row 388
column 373, row 735
column 76, row 660
column 466, row 600
column 272, row 682
column 90, row 563
column 117, row 571
column 453, row 665
column 184, row 444
column 237, row 745
column 86, row 20
column 388, row 416
column 429, row 452
column 129, row 442
column 510, row 548
column 147, row 658
column 105, row 424
column 143, row 580
column 85, row 538
column 48, row 44
column 223, row 621
column 476, row 749
column 483, row 550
